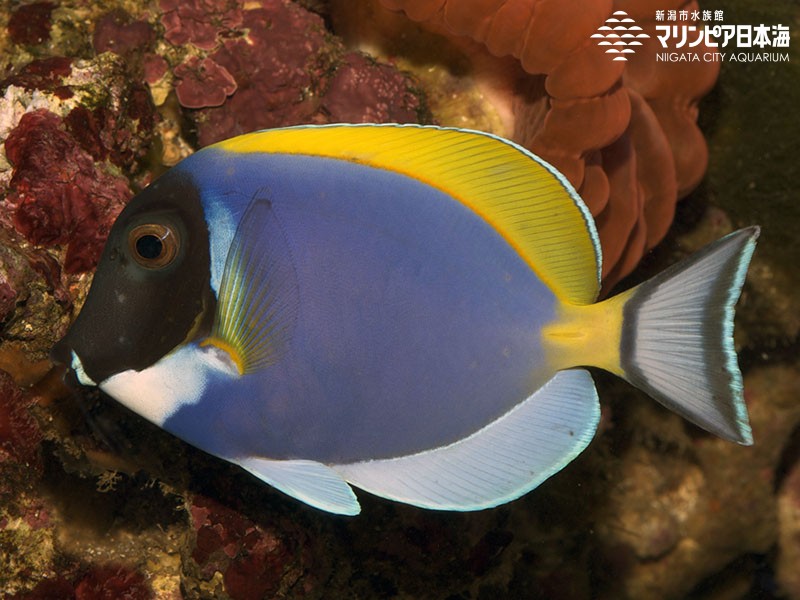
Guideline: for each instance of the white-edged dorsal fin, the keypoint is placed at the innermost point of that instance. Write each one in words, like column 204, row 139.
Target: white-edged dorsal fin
column 525, row 199
column 308, row 481
column 497, row 464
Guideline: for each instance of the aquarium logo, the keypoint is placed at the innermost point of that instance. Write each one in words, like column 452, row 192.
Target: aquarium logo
column 701, row 36
column 620, row 35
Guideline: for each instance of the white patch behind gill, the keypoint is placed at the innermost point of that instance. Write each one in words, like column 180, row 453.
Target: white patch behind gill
column 178, row 379
column 221, row 229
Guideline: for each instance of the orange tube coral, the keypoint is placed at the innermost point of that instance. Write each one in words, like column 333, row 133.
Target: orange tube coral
column 623, row 132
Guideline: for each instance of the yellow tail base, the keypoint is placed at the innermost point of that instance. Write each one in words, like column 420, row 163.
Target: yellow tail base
column 587, row 335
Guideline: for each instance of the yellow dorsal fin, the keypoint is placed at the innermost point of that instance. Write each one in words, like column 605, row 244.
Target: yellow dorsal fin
column 525, row 199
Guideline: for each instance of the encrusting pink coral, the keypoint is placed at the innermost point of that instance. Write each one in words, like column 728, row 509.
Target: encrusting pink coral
column 199, row 22
column 30, row 24
column 59, row 194
column 108, row 581
column 202, row 83
column 363, row 90
column 271, row 63
column 103, row 582
column 69, row 160
column 255, row 561
column 19, row 433
column 118, row 32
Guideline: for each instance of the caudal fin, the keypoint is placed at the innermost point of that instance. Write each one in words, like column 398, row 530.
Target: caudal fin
column 677, row 338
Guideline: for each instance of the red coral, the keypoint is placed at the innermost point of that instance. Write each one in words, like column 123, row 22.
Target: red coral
column 138, row 107
column 86, row 127
column 112, row 129
column 107, row 135
column 199, row 22
column 365, row 91
column 254, row 560
column 104, row 582
column 117, row 32
column 276, row 65
column 113, row 583
column 155, row 67
column 202, row 83
column 45, row 74
column 257, row 572
column 62, row 196
column 19, row 432
column 30, row 23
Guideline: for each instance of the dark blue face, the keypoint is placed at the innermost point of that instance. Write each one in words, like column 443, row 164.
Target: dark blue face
column 151, row 289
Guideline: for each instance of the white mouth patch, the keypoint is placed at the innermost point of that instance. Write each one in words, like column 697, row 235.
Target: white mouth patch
column 77, row 366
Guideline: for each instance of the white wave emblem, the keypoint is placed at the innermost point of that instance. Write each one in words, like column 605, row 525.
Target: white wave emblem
column 620, row 35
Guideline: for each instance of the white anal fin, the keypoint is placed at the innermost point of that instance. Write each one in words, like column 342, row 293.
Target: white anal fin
column 497, row 464
column 308, row 481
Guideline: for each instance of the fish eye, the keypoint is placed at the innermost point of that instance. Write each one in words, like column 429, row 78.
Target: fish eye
column 153, row 245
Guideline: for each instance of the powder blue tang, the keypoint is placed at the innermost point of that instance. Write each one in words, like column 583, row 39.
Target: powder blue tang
column 361, row 256
column 401, row 308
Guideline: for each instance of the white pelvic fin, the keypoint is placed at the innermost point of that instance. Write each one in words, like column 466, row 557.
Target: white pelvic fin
column 308, row 481
column 677, row 340
column 501, row 462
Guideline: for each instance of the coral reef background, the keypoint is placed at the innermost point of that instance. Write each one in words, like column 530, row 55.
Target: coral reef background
column 98, row 98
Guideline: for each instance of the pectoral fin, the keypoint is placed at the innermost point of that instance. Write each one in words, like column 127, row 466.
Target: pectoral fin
column 258, row 297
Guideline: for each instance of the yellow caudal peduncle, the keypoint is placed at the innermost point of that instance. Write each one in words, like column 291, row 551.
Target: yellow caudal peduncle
column 587, row 335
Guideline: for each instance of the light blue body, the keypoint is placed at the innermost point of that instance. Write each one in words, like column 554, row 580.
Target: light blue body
column 324, row 323
column 418, row 324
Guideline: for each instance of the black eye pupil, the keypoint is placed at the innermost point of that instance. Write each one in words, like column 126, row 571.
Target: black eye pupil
column 153, row 245
column 149, row 246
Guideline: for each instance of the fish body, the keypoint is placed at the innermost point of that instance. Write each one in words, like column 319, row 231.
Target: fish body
column 398, row 307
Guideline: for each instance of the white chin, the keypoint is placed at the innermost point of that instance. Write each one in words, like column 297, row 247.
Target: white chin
column 161, row 389
column 77, row 366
